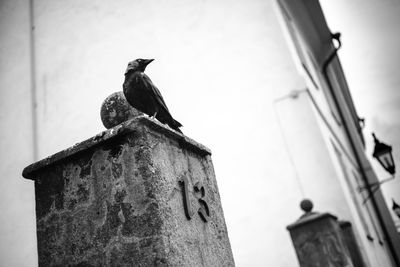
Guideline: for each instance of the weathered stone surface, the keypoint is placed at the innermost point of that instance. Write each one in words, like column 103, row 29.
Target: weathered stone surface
column 317, row 239
column 115, row 110
column 116, row 200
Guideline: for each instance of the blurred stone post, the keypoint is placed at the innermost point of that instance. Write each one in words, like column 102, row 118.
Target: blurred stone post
column 351, row 244
column 138, row 194
column 317, row 239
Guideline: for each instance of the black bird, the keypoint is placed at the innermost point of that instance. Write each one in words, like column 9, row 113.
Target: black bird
column 142, row 94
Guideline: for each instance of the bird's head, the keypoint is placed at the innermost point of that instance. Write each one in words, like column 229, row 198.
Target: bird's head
column 138, row 65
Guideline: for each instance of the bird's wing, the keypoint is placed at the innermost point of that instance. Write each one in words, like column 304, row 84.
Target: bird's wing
column 154, row 90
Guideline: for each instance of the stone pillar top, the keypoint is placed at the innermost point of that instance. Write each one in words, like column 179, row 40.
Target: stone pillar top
column 119, row 130
column 309, row 216
column 317, row 239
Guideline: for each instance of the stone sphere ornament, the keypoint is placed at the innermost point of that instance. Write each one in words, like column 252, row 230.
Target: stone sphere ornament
column 115, row 110
column 306, row 205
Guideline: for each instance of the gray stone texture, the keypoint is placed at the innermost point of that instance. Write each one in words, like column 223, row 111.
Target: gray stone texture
column 116, row 109
column 317, row 239
column 116, row 200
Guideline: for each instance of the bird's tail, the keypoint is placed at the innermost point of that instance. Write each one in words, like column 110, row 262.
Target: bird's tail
column 174, row 124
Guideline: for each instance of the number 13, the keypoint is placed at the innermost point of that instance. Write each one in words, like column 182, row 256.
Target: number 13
column 204, row 210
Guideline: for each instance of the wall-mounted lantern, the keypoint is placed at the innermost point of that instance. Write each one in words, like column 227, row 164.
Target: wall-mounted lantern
column 383, row 153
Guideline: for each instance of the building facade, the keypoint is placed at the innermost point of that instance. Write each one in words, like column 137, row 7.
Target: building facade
column 314, row 48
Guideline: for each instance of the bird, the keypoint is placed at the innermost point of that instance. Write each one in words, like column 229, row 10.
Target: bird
column 142, row 94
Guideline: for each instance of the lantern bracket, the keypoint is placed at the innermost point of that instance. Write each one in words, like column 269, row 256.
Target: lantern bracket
column 374, row 187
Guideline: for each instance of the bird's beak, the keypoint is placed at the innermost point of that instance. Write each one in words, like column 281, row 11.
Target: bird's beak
column 147, row 62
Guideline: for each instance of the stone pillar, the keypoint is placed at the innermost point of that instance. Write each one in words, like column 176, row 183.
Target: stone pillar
column 138, row 194
column 351, row 243
column 317, row 239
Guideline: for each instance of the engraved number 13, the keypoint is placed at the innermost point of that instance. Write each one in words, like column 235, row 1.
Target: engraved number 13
column 204, row 210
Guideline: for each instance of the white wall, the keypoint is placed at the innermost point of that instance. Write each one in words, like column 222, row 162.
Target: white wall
column 17, row 227
column 307, row 147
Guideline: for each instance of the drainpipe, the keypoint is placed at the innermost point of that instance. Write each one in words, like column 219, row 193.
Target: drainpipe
column 336, row 36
